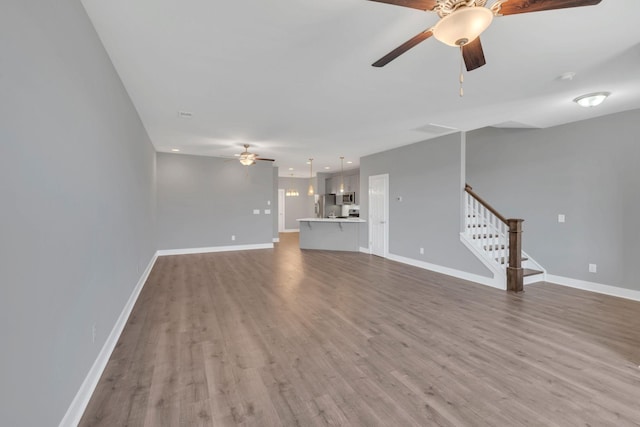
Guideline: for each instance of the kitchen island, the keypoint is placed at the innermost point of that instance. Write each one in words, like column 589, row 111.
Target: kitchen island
column 334, row 234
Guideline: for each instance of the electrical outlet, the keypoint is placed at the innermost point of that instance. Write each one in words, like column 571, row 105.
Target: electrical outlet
column 233, row 237
column 421, row 251
column 593, row 268
column 268, row 202
column 93, row 333
column 561, row 218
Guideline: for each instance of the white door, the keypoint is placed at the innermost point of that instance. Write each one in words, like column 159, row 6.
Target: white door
column 379, row 215
column 281, row 199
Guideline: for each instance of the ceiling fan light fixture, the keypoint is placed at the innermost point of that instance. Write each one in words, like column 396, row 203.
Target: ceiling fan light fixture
column 463, row 26
column 591, row 99
column 247, row 159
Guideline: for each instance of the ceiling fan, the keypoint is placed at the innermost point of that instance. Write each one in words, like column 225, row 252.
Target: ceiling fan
column 247, row 159
column 462, row 21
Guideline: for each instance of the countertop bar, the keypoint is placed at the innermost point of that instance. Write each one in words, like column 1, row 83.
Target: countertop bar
column 334, row 234
column 331, row 220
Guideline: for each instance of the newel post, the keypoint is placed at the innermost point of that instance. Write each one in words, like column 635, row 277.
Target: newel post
column 514, row 270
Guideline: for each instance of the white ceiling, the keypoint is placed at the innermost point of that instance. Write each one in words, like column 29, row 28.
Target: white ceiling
column 293, row 78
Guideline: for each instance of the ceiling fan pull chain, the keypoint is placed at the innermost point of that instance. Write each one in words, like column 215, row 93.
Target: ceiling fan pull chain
column 461, row 71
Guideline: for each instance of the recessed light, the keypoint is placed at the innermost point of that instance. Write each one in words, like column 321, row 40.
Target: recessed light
column 175, row 150
column 591, row 99
column 290, row 169
column 308, row 163
column 349, row 162
column 327, row 167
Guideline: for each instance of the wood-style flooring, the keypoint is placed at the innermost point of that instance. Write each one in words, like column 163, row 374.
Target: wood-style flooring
column 285, row 337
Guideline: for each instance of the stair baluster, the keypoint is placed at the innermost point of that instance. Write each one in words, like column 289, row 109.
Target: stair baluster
column 497, row 236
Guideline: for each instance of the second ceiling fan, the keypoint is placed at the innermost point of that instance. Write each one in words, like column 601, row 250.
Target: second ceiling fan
column 247, row 159
column 462, row 21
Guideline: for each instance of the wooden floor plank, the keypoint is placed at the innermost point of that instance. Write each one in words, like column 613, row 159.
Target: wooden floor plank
column 286, row 337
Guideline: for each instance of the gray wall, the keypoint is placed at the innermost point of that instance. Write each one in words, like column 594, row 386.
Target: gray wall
column 76, row 224
column 586, row 170
column 203, row 201
column 321, row 179
column 297, row 207
column 428, row 177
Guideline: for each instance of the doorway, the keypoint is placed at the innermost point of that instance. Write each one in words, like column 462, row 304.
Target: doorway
column 281, row 201
column 379, row 215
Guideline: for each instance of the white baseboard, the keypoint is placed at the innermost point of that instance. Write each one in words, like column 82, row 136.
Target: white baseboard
column 276, row 240
column 487, row 281
column 291, row 230
column 81, row 400
column 594, row 287
column 188, row 251
column 365, row 250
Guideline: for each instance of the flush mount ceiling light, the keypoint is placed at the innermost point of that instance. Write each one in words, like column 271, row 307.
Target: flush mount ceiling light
column 591, row 99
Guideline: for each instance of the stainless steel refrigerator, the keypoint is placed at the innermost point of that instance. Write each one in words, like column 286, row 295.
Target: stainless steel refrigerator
column 326, row 205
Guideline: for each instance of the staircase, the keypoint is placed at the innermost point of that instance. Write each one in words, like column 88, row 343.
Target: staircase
column 497, row 242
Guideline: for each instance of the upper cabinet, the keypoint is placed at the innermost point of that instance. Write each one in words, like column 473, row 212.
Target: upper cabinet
column 351, row 184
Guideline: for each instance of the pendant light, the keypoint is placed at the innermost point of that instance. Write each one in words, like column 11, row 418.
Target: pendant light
column 342, row 174
column 310, row 192
column 291, row 192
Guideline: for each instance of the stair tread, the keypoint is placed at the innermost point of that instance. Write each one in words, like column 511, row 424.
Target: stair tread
column 530, row 272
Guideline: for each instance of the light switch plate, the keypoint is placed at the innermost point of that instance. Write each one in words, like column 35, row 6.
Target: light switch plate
column 561, row 218
column 267, row 211
column 256, row 211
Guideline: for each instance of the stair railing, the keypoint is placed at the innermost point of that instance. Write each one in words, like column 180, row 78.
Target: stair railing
column 497, row 235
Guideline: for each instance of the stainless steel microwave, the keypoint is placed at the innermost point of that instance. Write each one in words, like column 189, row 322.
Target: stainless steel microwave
column 346, row 198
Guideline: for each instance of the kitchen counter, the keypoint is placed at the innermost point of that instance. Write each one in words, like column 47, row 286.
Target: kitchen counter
column 333, row 234
column 351, row 219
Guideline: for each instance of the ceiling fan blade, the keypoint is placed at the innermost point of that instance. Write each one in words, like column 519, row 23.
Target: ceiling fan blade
column 403, row 48
column 416, row 4
column 266, row 160
column 512, row 7
column 473, row 55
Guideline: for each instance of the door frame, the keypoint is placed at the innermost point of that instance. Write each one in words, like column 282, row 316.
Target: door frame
column 281, row 210
column 385, row 229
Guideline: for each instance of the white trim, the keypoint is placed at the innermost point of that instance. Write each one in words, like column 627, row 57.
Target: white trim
column 499, row 276
column 188, row 251
column 365, row 250
column 276, row 240
column 487, row 281
column 291, row 230
column 81, row 399
column 594, row 287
